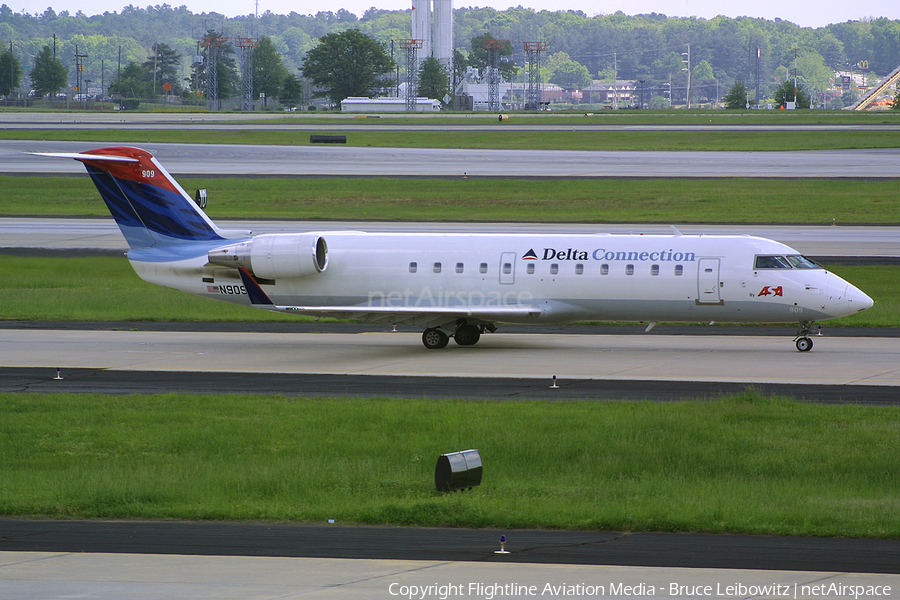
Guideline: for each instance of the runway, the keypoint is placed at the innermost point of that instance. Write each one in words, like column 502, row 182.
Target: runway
column 338, row 161
column 229, row 560
column 581, row 362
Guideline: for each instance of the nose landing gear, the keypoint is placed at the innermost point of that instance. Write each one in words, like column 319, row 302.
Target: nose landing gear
column 802, row 341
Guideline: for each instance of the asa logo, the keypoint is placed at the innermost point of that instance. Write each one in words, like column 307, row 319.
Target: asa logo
column 771, row 291
column 530, row 255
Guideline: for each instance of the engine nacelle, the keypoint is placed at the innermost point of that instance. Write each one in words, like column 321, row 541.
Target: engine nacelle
column 276, row 255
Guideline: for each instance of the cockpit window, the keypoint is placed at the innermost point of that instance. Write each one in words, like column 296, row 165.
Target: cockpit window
column 794, row 261
column 801, row 262
column 772, row 262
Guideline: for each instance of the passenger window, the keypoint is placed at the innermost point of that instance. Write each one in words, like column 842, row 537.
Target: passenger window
column 654, row 270
column 530, row 268
column 437, row 267
column 459, row 267
column 579, row 269
column 629, row 269
column 679, row 270
column 482, row 268
column 413, row 267
column 604, row 269
column 554, row 269
column 507, row 268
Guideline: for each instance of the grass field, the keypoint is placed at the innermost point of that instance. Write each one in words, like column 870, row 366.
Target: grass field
column 106, row 289
column 795, row 201
column 746, row 141
column 742, row 464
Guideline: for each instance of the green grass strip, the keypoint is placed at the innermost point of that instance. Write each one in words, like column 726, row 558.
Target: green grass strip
column 510, row 139
column 744, row 464
column 796, row 201
column 107, row 289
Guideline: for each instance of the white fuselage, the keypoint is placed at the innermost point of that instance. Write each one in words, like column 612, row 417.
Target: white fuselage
column 567, row 277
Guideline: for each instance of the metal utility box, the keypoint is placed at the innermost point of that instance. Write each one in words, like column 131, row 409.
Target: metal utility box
column 458, row 471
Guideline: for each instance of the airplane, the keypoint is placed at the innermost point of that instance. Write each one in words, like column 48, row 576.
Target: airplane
column 461, row 285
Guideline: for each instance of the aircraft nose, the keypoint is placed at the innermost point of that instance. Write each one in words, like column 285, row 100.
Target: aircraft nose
column 857, row 299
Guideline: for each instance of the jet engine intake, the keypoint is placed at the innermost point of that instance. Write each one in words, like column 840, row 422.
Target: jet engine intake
column 275, row 255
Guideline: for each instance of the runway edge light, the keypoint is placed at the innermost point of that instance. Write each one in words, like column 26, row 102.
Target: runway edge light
column 502, row 549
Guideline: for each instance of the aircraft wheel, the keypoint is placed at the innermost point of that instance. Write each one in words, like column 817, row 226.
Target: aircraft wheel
column 435, row 339
column 804, row 344
column 467, row 335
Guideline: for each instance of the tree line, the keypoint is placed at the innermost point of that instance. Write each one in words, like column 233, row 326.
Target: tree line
column 651, row 48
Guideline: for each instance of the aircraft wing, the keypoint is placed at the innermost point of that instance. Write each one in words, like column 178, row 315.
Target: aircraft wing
column 423, row 316
column 410, row 315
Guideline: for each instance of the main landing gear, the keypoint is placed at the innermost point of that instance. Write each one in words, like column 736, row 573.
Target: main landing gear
column 434, row 338
column 802, row 341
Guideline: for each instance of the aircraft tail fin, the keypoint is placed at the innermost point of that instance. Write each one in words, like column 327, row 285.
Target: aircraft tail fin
column 149, row 206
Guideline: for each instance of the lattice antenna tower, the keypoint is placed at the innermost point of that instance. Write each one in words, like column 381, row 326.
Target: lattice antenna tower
column 493, row 48
column 533, row 52
column 246, row 46
column 213, row 46
column 412, row 75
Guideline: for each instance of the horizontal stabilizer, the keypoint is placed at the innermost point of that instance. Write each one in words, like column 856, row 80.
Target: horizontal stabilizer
column 85, row 156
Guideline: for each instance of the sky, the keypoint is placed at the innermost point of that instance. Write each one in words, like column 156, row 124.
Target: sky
column 806, row 13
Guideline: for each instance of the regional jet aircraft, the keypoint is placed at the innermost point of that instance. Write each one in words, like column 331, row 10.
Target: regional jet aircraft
column 460, row 285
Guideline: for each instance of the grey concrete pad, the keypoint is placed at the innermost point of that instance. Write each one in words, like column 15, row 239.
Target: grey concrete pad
column 653, row 356
column 313, row 159
column 39, row 575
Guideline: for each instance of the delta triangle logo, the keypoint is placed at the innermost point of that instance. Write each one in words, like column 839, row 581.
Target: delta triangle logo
column 530, row 255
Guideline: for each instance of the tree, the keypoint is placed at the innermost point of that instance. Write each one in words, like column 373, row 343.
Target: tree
column 48, row 75
column 784, row 93
column 736, row 98
column 291, row 91
column 269, row 71
column 896, row 104
column 659, row 103
column 347, row 64
column 433, row 80
column 10, row 73
column 567, row 73
column 134, row 82
column 162, row 67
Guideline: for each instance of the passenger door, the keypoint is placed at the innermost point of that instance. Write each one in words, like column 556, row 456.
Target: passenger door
column 708, row 281
column 508, row 267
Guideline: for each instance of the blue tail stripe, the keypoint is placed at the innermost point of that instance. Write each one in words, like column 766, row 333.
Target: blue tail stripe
column 146, row 212
column 128, row 221
column 166, row 212
column 257, row 296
